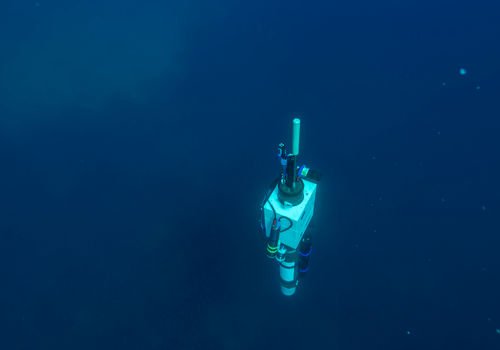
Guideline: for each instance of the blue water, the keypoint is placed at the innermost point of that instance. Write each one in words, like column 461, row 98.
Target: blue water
column 138, row 139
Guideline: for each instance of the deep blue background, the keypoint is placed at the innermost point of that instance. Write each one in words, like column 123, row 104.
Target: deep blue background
column 133, row 225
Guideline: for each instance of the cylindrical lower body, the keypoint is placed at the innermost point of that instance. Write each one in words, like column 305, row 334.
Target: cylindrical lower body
column 289, row 272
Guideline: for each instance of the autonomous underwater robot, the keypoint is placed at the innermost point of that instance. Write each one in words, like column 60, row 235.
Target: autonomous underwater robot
column 285, row 215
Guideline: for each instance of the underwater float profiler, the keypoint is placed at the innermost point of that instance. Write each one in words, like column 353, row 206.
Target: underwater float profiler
column 285, row 214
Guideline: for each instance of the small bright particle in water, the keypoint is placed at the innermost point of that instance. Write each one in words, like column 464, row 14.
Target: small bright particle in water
column 463, row 71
